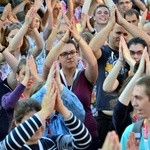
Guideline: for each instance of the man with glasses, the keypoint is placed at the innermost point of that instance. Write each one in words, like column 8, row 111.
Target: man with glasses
column 124, row 5
column 66, row 55
column 136, row 47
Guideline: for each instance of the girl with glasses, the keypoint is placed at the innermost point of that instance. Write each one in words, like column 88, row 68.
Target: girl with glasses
column 79, row 82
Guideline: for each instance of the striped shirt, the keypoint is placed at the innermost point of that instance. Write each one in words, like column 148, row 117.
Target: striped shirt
column 79, row 137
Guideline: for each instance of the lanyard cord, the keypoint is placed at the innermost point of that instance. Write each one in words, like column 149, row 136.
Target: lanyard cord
column 145, row 130
column 64, row 79
column 135, row 116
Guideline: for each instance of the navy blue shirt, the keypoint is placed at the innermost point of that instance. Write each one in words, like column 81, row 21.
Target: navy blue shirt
column 105, row 64
column 4, row 124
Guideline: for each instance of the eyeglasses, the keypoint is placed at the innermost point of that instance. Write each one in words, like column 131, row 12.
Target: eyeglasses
column 123, row 3
column 19, row 25
column 136, row 53
column 13, row 26
column 66, row 55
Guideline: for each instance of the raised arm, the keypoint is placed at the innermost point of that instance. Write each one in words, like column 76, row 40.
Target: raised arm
column 111, row 83
column 69, row 99
column 110, row 4
column 53, row 55
column 13, row 63
column 52, row 36
column 132, row 29
column 91, row 71
column 80, row 137
column 11, row 60
column 39, row 42
column 33, row 69
column 19, row 6
column 93, row 5
column 49, row 13
column 86, row 6
column 17, row 38
column 71, row 9
column 4, row 16
column 143, row 19
column 140, row 4
column 9, row 100
column 125, row 96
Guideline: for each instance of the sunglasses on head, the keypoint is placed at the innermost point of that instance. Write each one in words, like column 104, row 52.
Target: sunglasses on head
column 19, row 25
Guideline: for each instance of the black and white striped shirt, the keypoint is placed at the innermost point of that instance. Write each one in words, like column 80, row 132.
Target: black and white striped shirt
column 79, row 137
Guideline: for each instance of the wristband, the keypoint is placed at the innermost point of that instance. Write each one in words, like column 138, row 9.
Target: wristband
column 3, row 49
column 93, row 32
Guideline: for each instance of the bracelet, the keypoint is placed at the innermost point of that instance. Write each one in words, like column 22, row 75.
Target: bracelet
column 2, row 20
column 93, row 32
column 3, row 49
column 79, row 39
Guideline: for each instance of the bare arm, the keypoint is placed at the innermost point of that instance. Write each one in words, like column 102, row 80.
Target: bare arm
column 111, row 83
column 20, row 34
column 49, row 26
column 125, row 96
column 132, row 29
column 91, row 71
column 39, row 43
column 52, row 36
column 70, row 11
column 13, row 63
column 4, row 16
column 11, row 60
column 110, row 4
column 53, row 55
column 33, row 69
column 140, row 5
column 86, row 6
column 19, row 6
column 94, row 4
column 143, row 20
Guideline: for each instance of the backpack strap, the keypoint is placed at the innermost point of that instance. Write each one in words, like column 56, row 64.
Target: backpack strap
column 137, row 129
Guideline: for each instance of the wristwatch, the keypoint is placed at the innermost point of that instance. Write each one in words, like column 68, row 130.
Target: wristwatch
column 93, row 32
column 3, row 49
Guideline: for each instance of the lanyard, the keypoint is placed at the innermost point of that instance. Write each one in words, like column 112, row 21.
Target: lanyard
column 145, row 135
column 135, row 116
column 23, row 96
column 64, row 79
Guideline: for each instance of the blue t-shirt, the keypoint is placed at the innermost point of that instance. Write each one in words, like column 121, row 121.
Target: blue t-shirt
column 105, row 64
column 125, row 136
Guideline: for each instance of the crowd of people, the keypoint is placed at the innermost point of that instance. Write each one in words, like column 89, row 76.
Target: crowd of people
column 75, row 74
